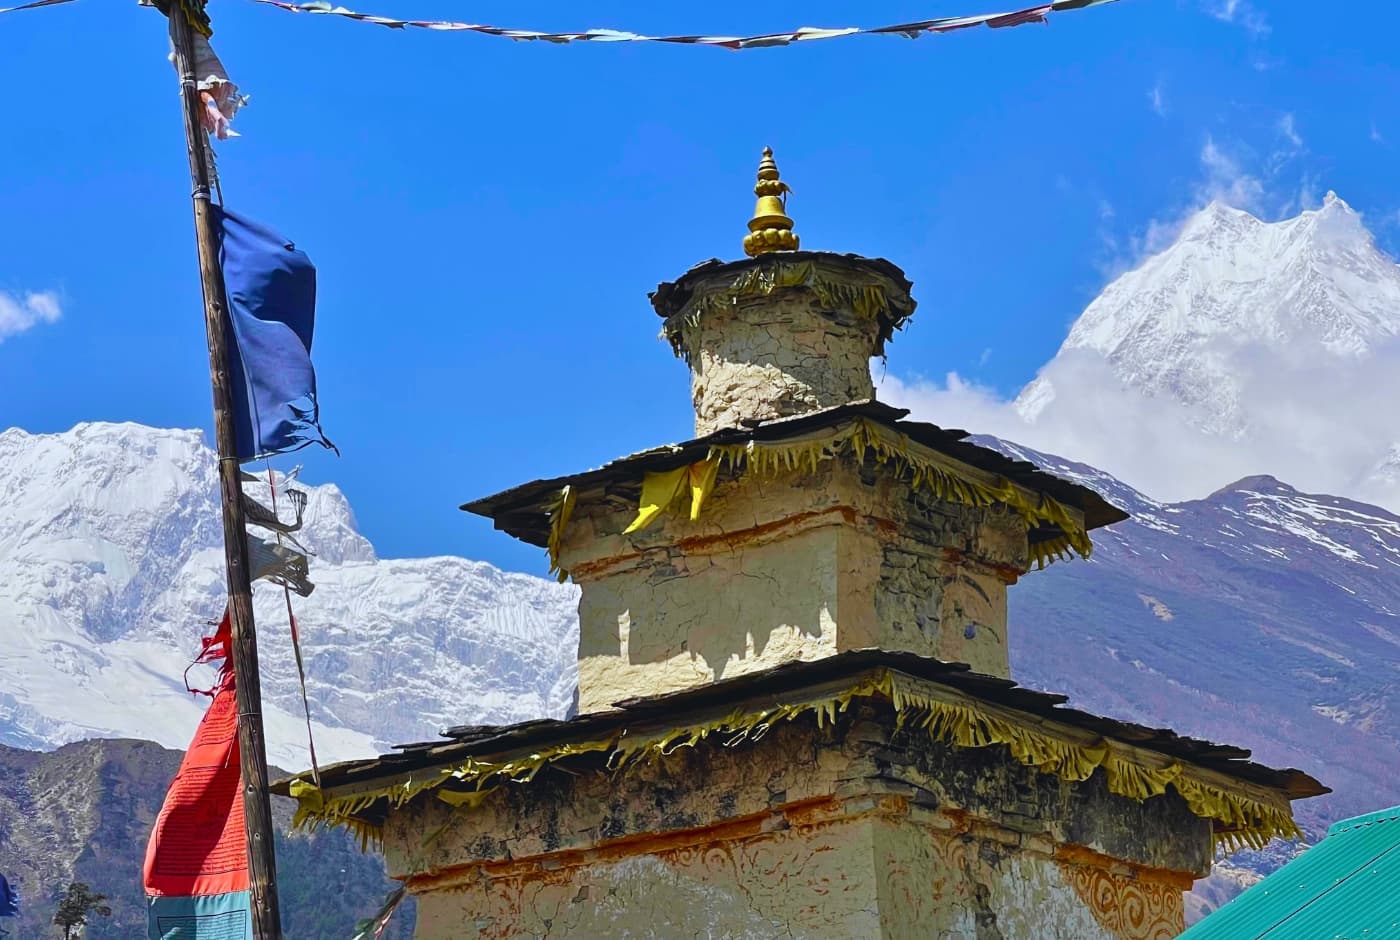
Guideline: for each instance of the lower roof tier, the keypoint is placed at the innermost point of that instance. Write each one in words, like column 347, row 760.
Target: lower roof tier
column 1247, row 803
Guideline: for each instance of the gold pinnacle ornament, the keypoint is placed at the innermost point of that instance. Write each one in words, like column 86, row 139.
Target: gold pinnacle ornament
column 770, row 229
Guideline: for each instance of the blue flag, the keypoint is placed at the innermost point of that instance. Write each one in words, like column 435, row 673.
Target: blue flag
column 9, row 901
column 272, row 308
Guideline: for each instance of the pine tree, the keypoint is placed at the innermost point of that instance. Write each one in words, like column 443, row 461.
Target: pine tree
column 77, row 906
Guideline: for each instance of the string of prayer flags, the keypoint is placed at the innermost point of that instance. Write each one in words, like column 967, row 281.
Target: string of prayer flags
column 34, row 5
column 1035, row 14
column 272, row 310
column 196, row 869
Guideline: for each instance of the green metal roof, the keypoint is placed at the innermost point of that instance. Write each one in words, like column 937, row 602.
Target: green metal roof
column 1347, row 887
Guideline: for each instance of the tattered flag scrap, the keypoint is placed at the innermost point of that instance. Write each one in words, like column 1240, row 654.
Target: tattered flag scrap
column 219, row 95
column 196, row 871
column 260, row 515
column 271, row 289
column 283, row 566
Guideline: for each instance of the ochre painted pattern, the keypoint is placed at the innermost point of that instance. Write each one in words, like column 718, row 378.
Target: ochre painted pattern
column 1130, row 908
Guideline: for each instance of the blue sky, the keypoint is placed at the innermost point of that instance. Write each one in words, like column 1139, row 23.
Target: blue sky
column 488, row 216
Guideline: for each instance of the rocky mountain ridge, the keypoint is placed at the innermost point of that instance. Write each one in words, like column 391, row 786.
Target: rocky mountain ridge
column 83, row 813
column 1260, row 616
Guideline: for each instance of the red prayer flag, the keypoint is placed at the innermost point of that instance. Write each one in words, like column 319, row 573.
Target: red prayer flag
column 196, row 871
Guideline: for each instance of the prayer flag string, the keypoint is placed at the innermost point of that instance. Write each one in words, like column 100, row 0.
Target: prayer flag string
column 34, row 5
column 946, row 24
column 1035, row 14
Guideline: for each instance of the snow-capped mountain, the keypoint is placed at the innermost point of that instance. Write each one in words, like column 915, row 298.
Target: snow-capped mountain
column 111, row 564
column 1230, row 287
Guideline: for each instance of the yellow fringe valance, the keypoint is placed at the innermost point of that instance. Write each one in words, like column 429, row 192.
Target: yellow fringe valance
column 1242, row 815
column 867, row 300
column 927, row 470
column 559, row 512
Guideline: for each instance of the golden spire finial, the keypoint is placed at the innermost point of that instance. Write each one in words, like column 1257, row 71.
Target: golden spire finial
column 770, row 229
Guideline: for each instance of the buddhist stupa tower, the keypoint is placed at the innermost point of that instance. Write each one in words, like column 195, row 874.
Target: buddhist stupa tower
column 795, row 714
column 806, row 521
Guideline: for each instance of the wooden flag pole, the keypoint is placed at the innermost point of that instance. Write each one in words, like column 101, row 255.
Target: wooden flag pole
column 257, row 807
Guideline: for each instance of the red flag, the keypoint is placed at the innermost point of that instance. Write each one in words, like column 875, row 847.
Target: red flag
column 196, row 872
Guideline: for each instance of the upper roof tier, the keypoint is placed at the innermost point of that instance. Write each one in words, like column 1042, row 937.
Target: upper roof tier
column 874, row 287
column 782, row 334
column 527, row 511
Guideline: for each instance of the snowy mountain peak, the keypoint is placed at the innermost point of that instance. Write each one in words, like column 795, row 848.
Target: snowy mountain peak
column 1230, row 291
column 111, row 562
column 1216, row 216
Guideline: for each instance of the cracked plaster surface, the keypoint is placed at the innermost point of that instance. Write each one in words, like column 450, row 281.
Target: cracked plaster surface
column 775, row 357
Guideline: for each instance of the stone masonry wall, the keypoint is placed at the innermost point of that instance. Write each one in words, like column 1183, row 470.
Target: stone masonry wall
column 849, row 831
column 792, row 567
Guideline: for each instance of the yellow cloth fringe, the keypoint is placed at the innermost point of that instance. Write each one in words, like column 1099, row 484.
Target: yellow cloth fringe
column 927, row 470
column 559, row 512
column 1240, row 820
column 866, row 300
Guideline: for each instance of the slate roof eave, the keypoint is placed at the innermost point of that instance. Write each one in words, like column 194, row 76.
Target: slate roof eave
column 670, row 297
column 672, row 708
column 520, row 510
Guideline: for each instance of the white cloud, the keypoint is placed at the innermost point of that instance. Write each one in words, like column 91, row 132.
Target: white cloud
column 1376, row 134
column 1159, row 104
column 1227, row 180
column 1316, row 442
column 1288, row 127
column 1309, row 196
column 19, row 313
column 986, row 356
column 1240, row 12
